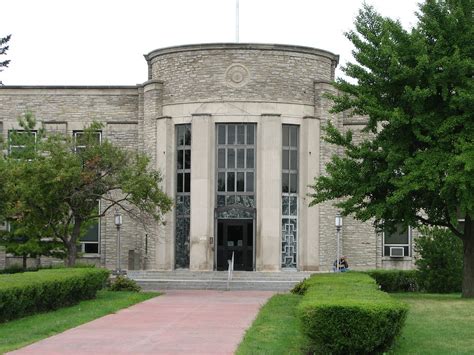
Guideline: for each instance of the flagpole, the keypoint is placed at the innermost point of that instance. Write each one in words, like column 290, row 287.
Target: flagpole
column 237, row 21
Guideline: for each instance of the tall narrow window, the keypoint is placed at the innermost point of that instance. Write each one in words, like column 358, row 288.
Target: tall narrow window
column 235, row 170
column 289, row 198
column 183, row 195
column 90, row 240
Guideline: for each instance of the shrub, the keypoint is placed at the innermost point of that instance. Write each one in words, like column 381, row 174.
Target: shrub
column 122, row 283
column 396, row 280
column 347, row 313
column 31, row 292
column 441, row 260
column 300, row 288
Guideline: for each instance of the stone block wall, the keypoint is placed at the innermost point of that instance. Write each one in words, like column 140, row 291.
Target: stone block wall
column 240, row 72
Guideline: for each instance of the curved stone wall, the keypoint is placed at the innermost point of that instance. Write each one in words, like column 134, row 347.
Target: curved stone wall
column 240, row 72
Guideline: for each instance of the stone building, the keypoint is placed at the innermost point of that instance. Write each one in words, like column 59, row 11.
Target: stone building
column 236, row 130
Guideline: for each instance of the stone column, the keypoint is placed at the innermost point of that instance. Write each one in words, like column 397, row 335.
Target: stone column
column 152, row 109
column 202, row 193
column 308, row 238
column 165, row 161
column 268, row 193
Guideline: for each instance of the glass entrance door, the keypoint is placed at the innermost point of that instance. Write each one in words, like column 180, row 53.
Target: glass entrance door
column 235, row 236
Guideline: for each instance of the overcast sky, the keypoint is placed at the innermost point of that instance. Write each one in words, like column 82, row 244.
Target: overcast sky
column 102, row 42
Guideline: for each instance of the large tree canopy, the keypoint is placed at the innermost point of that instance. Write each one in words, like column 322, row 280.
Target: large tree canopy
column 54, row 183
column 417, row 89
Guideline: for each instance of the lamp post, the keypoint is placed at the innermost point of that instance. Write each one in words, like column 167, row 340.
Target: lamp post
column 118, row 224
column 338, row 234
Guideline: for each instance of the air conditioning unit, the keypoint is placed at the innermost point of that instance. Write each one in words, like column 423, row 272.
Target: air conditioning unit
column 397, row 252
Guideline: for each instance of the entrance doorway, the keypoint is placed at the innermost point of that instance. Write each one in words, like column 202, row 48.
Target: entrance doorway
column 235, row 235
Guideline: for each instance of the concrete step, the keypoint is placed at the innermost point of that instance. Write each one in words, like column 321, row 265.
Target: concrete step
column 217, row 280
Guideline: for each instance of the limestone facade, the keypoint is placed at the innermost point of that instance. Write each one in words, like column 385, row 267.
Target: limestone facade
column 204, row 87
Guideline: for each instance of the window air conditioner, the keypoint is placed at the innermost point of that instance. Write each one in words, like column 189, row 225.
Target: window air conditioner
column 397, row 252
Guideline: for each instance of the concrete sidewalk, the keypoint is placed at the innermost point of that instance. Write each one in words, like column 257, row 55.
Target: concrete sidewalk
column 192, row 322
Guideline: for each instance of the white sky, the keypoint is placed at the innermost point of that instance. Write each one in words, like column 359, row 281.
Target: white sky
column 102, row 42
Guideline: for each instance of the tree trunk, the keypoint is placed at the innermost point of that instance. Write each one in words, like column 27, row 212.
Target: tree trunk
column 468, row 268
column 71, row 255
column 72, row 245
column 25, row 259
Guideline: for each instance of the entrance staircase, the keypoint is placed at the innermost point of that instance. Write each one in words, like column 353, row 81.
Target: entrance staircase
column 217, row 280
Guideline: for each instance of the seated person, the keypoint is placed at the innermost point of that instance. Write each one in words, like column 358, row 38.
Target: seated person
column 343, row 265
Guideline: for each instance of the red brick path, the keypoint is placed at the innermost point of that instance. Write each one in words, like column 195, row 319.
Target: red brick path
column 192, row 322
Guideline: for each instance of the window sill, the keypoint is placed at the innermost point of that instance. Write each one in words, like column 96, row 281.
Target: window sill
column 405, row 258
column 90, row 256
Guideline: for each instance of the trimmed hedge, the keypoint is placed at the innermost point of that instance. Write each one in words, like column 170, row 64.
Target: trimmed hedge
column 32, row 292
column 346, row 313
column 397, row 280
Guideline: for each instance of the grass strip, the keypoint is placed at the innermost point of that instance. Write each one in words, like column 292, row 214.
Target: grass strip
column 276, row 330
column 436, row 324
column 21, row 332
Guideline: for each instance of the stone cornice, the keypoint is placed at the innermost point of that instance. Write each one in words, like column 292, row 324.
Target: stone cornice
column 242, row 46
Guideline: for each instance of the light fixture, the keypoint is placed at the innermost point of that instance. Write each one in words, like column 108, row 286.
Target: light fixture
column 117, row 218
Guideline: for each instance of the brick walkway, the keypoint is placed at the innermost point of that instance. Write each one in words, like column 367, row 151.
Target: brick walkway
column 192, row 322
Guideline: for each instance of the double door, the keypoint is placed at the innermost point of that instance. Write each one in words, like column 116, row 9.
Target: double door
column 235, row 236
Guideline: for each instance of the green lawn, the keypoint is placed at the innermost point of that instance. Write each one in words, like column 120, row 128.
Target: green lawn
column 436, row 324
column 24, row 331
column 276, row 329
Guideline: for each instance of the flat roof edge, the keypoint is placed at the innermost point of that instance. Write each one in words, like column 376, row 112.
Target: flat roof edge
column 236, row 46
column 71, row 87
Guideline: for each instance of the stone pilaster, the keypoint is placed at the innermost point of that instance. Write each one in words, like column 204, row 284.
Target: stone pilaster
column 309, row 216
column 202, row 193
column 268, row 242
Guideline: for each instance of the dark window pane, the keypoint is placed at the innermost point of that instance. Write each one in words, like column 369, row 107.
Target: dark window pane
column 240, row 134
column 293, row 183
column 187, row 182
column 250, row 134
column 285, row 136
column 221, row 182
column 179, row 186
column 187, row 159
column 230, row 182
column 91, row 248
column 285, row 185
column 240, row 181
column 187, row 139
column 294, row 160
column 221, row 134
column 221, row 159
column 250, row 158
column 250, row 182
column 231, row 134
column 230, row 158
column 179, row 160
column 294, row 136
column 180, row 135
column 92, row 234
column 285, row 160
column 399, row 236
column 241, row 158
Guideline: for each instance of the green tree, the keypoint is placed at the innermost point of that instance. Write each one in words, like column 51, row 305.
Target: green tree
column 56, row 187
column 440, row 260
column 416, row 88
column 3, row 50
